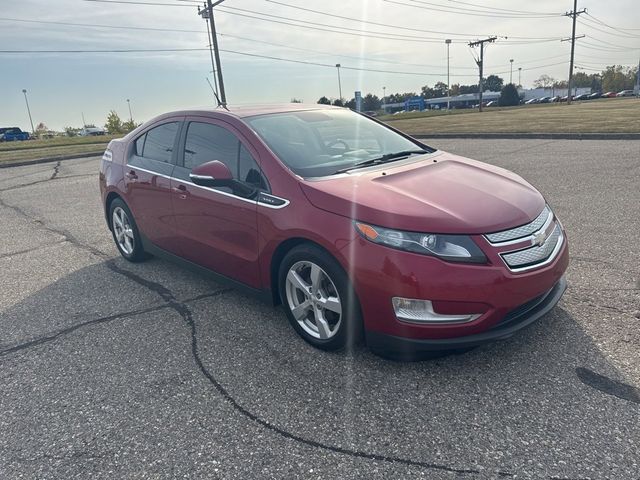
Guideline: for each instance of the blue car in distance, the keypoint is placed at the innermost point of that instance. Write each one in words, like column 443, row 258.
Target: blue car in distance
column 12, row 134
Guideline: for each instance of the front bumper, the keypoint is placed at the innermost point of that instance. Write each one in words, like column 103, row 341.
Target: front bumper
column 518, row 319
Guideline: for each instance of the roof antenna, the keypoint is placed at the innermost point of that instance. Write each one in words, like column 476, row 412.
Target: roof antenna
column 220, row 103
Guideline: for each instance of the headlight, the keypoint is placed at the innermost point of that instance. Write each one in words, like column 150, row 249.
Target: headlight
column 454, row 248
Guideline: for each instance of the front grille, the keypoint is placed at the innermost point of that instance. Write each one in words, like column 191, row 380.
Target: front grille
column 530, row 247
column 535, row 255
column 520, row 232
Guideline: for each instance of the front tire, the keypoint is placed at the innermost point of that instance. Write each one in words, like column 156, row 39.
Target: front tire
column 318, row 298
column 125, row 232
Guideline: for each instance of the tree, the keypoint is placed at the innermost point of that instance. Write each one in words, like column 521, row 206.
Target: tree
column 324, row 101
column 455, row 89
column 297, row 100
column 617, row 77
column 338, row 102
column 465, row 89
column 544, row 81
column 129, row 126
column 493, row 83
column 351, row 104
column 114, row 123
column 509, row 96
column 71, row 131
column 371, row 102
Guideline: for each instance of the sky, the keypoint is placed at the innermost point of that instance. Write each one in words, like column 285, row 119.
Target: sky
column 397, row 44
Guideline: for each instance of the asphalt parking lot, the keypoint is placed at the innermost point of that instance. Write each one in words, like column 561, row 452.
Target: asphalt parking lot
column 114, row 370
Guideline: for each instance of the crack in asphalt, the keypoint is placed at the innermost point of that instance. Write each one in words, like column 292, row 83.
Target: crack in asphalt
column 4, row 351
column 183, row 310
column 56, row 170
column 29, row 250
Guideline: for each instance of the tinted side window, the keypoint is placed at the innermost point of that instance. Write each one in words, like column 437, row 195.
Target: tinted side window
column 207, row 142
column 249, row 171
column 159, row 142
column 140, row 145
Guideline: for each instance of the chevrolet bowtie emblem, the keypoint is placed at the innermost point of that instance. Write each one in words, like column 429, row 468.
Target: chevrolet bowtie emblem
column 539, row 239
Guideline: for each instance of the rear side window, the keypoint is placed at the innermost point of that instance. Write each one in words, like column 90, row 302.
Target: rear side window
column 157, row 143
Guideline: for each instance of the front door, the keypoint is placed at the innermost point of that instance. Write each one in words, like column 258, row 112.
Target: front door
column 148, row 183
column 218, row 226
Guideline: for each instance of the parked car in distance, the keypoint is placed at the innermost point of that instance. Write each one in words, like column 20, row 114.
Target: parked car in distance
column 555, row 99
column 609, row 95
column 13, row 134
column 595, row 96
column 532, row 101
column 325, row 211
column 91, row 132
column 565, row 98
column 625, row 93
column 584, row 96
column 544, row 100
column 493, row 103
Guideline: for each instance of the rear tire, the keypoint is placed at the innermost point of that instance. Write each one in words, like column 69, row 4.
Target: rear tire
column 125, row 232
column 318, row 298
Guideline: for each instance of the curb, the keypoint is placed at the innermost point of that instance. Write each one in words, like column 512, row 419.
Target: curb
column 51, row 159
column 534, row 136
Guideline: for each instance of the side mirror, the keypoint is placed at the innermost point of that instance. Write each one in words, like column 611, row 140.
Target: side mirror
column 212, row 174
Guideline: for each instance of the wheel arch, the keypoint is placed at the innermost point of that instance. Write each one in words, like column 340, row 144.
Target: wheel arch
column 111, row 196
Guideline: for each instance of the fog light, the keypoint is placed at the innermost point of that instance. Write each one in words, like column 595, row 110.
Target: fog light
column 421, row 311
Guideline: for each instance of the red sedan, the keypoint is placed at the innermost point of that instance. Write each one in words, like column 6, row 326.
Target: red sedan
column 354, row 227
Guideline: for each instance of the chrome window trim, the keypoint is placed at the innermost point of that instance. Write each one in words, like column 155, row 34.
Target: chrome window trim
column 551, row 258
column 254, row 202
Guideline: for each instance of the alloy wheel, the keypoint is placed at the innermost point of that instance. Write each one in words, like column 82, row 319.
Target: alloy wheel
column 123, row 231
column 313, row 300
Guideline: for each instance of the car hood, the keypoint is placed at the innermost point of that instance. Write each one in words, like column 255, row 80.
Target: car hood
column 439, row 193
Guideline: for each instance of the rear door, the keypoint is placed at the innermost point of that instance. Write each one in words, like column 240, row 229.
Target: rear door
column 217, row 226
column 150, row 165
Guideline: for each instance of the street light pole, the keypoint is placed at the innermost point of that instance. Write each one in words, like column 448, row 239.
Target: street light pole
column 520, row 76
column 384, row 99
column 33, row 130
column 511, row 74
column 130, row 115
column 339, row 83
column 448, row 42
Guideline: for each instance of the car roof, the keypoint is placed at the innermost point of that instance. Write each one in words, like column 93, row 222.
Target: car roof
column 242, row 111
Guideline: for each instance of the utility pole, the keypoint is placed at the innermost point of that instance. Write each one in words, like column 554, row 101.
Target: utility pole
column 205, row 14
column 33, row 130
column 574, row 15
column 339, row 83
column 448, row 42
column 130, row 115
column 480, row 62
column 208, row 12
column 511, row 74
column 84, row 123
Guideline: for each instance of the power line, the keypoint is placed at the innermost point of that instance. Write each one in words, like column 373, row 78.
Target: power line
column 96, row 25
column 334, row 15
column 589, row 24
column 607, row 25
column 460, row 11
column 254, row 40
column 503, row 9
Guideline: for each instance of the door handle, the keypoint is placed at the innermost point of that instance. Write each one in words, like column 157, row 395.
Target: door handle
column 181, row 190
column 131, row 175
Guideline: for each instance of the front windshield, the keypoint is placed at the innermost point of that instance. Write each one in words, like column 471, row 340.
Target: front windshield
column 316, row 143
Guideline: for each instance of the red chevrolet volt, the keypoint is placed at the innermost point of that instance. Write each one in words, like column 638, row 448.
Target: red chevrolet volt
column 355, row 228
